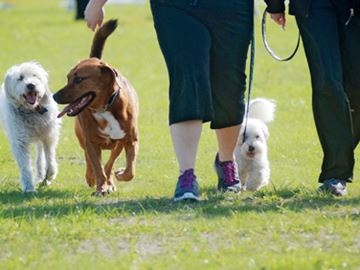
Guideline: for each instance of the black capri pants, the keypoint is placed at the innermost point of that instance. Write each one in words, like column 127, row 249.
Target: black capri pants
column 205, row 45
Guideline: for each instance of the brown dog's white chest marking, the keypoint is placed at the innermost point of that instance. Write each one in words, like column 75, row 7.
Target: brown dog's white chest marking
column 112, row 127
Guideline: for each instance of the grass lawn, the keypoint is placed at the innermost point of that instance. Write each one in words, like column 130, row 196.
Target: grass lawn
column 287, row 225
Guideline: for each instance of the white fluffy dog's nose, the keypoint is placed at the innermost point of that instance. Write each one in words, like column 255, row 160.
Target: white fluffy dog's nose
column 30, row 86
column 251, row 148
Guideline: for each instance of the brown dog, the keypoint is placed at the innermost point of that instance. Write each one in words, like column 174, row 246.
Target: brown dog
column 106, row 106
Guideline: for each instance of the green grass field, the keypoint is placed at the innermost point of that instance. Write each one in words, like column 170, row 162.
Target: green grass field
column 287, row 225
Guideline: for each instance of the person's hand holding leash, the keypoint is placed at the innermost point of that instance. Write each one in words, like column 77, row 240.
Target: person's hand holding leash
column 94, row 13
column 279, row 18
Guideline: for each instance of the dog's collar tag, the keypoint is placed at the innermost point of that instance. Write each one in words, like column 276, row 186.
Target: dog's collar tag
column 41, row 110
column 111, row 100
column 114, row 95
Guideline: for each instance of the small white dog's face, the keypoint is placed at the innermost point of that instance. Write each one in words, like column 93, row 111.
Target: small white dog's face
column 255, row 139
column 26, row 84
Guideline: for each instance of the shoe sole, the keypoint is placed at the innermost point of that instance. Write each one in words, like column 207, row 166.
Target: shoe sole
column 332, row 190
column 230, row 190
column 187, row 196
column 233, row 189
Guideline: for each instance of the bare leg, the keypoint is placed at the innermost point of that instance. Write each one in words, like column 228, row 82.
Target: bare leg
column 227, row 139
column 185, row 138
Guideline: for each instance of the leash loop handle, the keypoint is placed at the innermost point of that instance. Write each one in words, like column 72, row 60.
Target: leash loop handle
column 267, row 46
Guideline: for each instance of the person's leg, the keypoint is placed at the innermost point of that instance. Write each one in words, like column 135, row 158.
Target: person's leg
column 225, row 164
column 185, row 44
column 351, row 63
column 320, row 36
column 227, row 139
column 231, row 38
column 185, row 138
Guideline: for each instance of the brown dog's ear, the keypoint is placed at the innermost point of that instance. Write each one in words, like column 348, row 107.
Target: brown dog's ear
column 118, row 80
column 115, row 72
column 105, row 68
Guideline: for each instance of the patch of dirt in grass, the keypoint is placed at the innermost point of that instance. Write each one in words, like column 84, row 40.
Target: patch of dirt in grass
column 357, row 243
column 149, row 246
column 212, row 240
column 124, row 220
column 72, row 160
column 93, row 246
column 144, row 245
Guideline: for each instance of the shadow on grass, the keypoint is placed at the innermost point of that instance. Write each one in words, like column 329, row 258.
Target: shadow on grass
column 17, row 196
column 214, row 205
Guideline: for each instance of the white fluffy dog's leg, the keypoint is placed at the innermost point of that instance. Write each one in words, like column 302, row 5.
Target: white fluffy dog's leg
column 22, row 156
column 243, row 175
column 258, row 179
column 40, row 162
column 50, row 157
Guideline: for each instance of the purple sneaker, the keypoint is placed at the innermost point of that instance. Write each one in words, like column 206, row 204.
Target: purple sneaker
column 187, row 187
column 228, row 177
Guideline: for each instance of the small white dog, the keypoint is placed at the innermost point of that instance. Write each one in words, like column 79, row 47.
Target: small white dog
column 29, row 115
column 251, row 149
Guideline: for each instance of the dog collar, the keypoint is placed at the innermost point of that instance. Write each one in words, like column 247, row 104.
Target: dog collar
column 113, row 97
column 111, row 100
column 39, row 109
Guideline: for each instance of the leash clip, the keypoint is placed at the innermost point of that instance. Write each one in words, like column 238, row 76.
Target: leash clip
column 350, row 16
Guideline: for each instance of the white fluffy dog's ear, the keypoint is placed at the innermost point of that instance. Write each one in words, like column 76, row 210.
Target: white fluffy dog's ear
column 7, row 81
column 9, row 77
column 39, row 69
column 265, row 131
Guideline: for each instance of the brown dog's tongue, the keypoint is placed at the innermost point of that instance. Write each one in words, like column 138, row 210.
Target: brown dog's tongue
column 77, row 106
column 65, row 110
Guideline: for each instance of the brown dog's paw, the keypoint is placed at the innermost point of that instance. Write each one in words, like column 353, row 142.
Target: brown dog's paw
column 99, row 193
column 104, row 190
column 110, row 184
column 90, row 184
column 90, row 181
column 124, row 175
column 111, row 188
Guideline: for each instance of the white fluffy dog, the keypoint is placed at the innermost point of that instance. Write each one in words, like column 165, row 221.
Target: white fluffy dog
column 29, row 116
column 251, row 150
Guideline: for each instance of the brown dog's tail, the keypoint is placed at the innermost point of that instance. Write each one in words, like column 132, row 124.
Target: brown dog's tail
column 100, row 37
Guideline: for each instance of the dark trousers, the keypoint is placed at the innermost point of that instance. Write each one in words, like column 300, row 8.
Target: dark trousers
column 205, row 46
column 333, row 54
